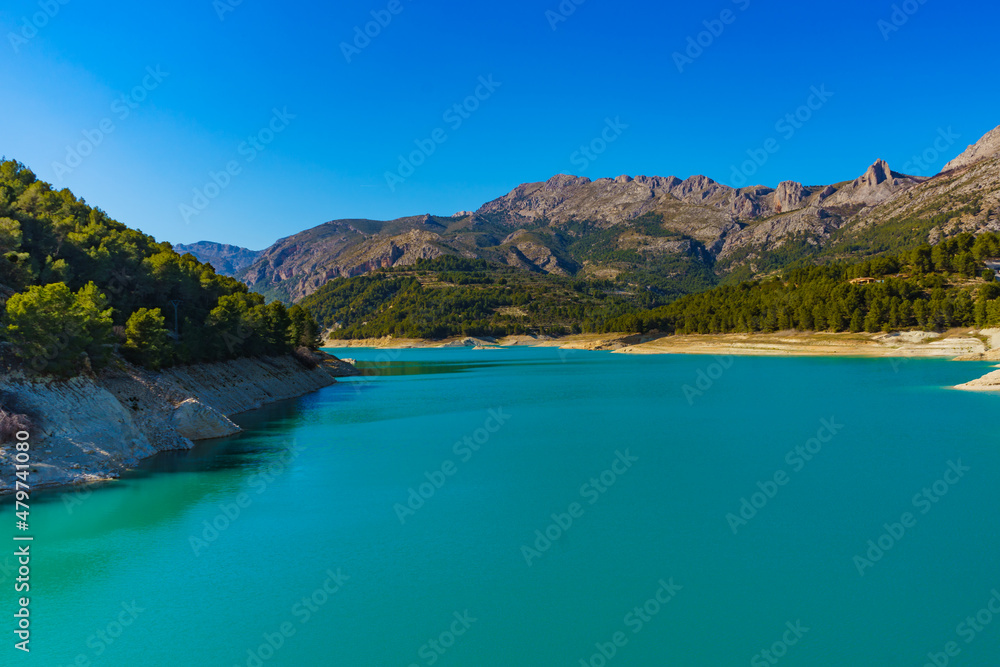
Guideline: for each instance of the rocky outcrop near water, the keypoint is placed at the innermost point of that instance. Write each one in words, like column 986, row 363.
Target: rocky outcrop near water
column 88, row 429
column 989, row 382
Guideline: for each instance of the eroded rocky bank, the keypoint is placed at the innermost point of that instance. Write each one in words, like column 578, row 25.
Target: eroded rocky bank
column 89, row 429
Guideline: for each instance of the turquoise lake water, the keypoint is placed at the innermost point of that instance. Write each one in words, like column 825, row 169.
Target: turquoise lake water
column 647, row 560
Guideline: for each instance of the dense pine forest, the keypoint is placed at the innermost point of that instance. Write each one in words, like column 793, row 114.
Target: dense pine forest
column 931, row 288
column 77, row 285
column 453, row 296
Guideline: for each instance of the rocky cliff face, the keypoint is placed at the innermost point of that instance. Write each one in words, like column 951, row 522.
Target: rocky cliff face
column 299, row 265
column 91, row 429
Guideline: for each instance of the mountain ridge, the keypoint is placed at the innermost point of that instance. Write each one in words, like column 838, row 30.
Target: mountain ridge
column 642, row 231
column 227, row 260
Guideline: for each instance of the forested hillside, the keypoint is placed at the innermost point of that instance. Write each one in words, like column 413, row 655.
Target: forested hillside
column 929, row 288
column 75, row 285
column 450, row 296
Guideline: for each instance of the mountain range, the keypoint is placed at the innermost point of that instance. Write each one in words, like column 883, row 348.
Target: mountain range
column 226, row 259
column 664, row 234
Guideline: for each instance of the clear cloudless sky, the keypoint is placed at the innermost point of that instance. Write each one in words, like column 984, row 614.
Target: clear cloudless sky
column 893, row 94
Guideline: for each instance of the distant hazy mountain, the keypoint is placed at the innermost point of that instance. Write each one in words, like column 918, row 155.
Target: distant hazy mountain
column 659, row 233
column 227, row 260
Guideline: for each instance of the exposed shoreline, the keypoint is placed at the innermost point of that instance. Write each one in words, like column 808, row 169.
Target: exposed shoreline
column 956, row 344
column 959, row 344
column 92, row 429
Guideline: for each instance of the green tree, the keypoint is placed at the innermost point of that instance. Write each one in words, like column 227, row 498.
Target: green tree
column 277, row 327
column 857, row 321
column 147, row 340
column 304, row 330
column 10, row 235
column 231, row 330
column 94, row 315
column 58, row 332
column 923, row 259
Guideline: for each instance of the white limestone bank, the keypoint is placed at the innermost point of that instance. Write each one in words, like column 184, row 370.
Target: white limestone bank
column 989, row 382
column 90, row 429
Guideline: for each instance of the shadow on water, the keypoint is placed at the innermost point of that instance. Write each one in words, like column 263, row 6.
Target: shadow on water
column 397, row 368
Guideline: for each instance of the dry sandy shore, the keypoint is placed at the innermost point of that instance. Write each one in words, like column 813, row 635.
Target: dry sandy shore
column 957, row 344
column 964, row 344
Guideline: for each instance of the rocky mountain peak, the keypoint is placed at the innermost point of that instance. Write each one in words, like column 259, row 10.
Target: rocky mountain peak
column 985, row 148
column 789, row 196
column 877, row 174
column 701, row 187
column 875, row 186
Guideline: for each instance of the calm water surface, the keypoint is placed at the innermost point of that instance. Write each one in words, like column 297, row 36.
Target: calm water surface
column 391, row 520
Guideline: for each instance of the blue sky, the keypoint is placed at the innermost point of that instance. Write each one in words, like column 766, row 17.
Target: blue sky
column 246, row 121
